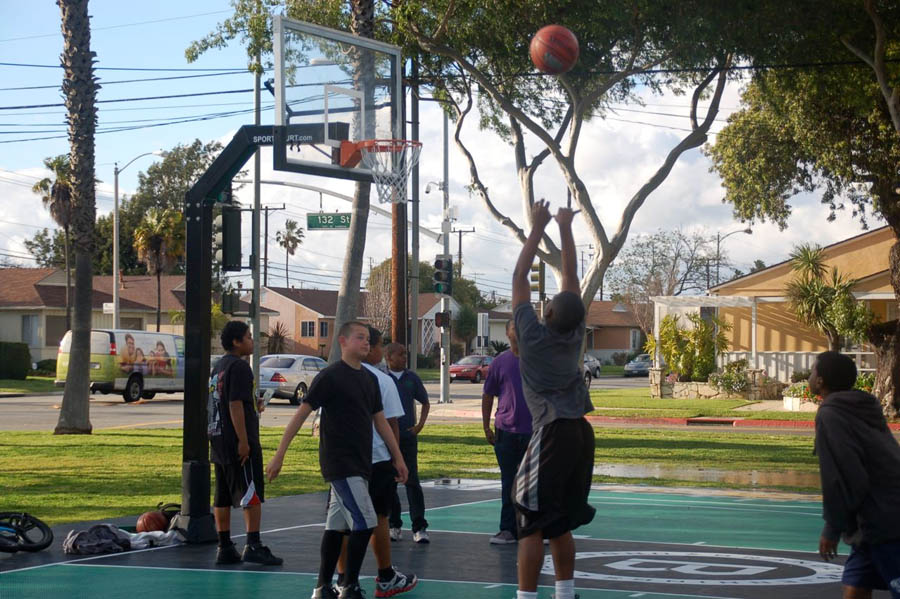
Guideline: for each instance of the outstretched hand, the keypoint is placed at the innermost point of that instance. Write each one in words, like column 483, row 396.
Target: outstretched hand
column 540, row 214
column 564, row 216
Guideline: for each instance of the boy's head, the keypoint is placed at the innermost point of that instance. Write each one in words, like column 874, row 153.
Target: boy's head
column 832, row 372
column 564, row 312
column 511, row 335
column 375, row 347
column 236, row 338
column 353, row 337
column 395, row 355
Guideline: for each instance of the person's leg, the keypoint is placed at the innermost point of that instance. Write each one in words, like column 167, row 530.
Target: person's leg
column 414, row 495
column 506, row 450
column 562, row 548
column 226, row 553
column 857, row 593
column 252, row 519
column 329, row 552
column 531, row 558
column 381, row 544
column 356, row 552
column 395, row 521
column 222, row 515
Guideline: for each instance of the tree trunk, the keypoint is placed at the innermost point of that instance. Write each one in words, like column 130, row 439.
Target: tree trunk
column 158, row 297
column 68, row 283
column 79, row 90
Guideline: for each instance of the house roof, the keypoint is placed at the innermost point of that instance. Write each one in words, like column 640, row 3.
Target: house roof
column 609, row 314
column 17, row 286
column 323, row 301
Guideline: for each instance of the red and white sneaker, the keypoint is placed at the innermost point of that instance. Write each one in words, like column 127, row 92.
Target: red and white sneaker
column 400, row 583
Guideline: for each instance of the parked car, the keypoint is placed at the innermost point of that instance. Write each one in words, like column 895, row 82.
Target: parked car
column 472, row 368
column 138, row 364
column 592, row 365
column 640, row 366
column 290, row 374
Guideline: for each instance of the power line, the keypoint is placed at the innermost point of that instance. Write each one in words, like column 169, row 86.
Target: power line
column 105, row 83
column 146, row 69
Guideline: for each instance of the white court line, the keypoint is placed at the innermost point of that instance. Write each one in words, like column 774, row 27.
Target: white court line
column 612, row 495
column 712, row 507
column 473, row 582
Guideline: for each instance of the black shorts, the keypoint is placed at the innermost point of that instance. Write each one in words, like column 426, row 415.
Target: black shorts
column 382, row 487
column 552, row 485
column 240, row 486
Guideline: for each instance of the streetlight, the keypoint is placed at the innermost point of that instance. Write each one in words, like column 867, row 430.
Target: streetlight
column 719, row 239
column 116, row 171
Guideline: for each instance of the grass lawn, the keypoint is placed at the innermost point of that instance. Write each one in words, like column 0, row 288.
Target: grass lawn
column 612, row 369
column 32, row 384
column 69, row 478
column 637, row 403
column 429, row 374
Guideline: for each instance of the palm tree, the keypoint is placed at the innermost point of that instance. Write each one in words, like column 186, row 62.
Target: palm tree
column 159, row 243
column 290, row 239
column 56, row 195
column 80, row 89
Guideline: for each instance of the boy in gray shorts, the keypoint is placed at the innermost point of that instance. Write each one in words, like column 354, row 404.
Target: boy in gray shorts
column 554, row 478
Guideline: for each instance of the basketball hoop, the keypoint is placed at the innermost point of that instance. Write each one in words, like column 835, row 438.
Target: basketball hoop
column 390, row 161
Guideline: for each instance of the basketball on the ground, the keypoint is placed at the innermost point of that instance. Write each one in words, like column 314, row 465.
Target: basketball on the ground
column 151, row 521
column 554, row 49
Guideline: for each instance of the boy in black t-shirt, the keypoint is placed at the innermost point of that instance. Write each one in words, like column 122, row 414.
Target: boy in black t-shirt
column 236, row 453
column 351, row 403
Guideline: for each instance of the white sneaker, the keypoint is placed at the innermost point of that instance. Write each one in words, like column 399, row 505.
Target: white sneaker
column 421, row 536
column 396, row 534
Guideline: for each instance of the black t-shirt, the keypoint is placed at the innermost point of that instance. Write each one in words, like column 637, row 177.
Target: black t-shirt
column 349, row 397
column 236, row 385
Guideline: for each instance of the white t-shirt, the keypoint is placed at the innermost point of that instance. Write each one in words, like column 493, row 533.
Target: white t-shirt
column 393, row 408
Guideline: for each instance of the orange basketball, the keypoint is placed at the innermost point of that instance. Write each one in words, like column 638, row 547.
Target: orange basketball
column 554, row 49
column 150, row 521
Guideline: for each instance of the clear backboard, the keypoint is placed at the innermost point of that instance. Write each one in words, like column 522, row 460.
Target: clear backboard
column 331, row 87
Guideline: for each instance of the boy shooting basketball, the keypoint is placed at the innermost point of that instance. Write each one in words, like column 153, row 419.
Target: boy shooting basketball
column 554, row 478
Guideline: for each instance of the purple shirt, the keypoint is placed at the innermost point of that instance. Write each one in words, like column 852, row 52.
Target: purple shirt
column 504, row 381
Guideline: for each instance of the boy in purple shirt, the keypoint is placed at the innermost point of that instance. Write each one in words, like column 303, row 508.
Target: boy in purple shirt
column 513, row 428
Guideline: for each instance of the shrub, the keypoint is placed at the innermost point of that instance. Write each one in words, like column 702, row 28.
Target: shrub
column 690, row 352
column 423, row 361
column 865, row 382
column 801, row 389
column 620, row 358
column 47, row 365
column 15, row 360
column 798, row 376
column 498, row 347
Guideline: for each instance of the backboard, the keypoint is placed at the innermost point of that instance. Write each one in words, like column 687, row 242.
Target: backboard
column 331, row 86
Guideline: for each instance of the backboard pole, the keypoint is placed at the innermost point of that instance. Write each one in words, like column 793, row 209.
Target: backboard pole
column 445, row 301
column 414, row 271
column 254, row 232
column 398, row 260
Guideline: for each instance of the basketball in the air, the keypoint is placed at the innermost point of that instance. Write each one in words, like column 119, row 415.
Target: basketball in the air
column 151, row 521
column 554, row 49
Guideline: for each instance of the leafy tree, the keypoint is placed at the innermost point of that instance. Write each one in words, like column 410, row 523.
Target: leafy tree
column 758, row 265
column 159, row 242
column 465, row 325
column 278, row 339
column 79, row 89
column 48, row 248
column 165, row 182
column 56, row 195
column 499, row 347
column 826, row 304
column 662, row 263
column 218, row 319
column 290, row 239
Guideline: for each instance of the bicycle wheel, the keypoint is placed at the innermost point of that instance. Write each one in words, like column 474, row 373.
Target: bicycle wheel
column 23, row 532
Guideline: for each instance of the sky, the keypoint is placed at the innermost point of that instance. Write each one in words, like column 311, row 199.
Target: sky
column 615, row 157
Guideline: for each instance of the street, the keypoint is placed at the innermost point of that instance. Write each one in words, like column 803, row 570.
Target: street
column 41, row 412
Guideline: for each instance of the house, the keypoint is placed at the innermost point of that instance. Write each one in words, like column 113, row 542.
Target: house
column 766, row 332
column 309, row 315
column 33, row 306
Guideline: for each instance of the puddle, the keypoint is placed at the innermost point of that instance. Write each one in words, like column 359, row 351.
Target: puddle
column 762, row 478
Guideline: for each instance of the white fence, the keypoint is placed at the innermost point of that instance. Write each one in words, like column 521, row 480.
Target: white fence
column 781, row 365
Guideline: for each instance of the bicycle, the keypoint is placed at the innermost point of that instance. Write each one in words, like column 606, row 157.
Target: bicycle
column 23, row 532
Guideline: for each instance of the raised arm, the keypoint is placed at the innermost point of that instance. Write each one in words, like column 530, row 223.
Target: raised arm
column 521, row 287
column 567, row 247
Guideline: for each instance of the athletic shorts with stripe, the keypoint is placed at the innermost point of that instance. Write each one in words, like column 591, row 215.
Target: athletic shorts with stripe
column 349, row 506
column 233, row 481
column 551, row 489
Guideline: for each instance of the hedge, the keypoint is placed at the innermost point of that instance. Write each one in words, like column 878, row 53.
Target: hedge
column 15, row 360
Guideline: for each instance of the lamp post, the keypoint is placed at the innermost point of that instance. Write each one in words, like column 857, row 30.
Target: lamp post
column 116, row 171
column 719, row 239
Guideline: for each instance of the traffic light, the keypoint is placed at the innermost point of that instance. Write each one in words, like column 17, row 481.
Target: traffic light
column 443, row 275
column 537, row 279
column 442, row 319
column 229, row 302
column 227, row 237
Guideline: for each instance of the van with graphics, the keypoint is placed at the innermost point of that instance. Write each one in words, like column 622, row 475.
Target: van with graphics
column 135, row 363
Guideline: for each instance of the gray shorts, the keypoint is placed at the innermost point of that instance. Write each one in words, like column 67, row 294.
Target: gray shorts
column 349, row 505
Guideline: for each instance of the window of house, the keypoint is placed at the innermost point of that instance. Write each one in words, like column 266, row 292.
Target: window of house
column 55, row 328
column 635, row 338
column 132, row 323
column 30, row 330
column 323, row 329
column 308, row 328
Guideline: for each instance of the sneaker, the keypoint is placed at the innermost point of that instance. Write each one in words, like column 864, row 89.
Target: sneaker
column 352, row 592
column 504, row 537
column 395, row 534
column 325, row 592
column 227, row 554
column 400, row 583
column 421, row 536
column 260, row 554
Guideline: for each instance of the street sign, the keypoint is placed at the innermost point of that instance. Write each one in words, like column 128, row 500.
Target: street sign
column 108, row 307
column 328, row 220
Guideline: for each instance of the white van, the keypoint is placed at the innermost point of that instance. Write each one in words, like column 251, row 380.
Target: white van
column 136, row 363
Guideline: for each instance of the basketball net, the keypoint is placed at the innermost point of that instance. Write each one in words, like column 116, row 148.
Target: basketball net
column 390, row 161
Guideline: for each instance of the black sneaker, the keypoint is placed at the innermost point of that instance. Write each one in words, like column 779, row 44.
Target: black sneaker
column 227, row 554
column 352, row 592
column 260, row 554
column 324, row 592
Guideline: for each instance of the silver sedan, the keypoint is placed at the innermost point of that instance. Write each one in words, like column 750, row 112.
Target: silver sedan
column 289, row 374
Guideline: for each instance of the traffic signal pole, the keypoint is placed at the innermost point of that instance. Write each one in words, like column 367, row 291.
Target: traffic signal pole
column 445, row 301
